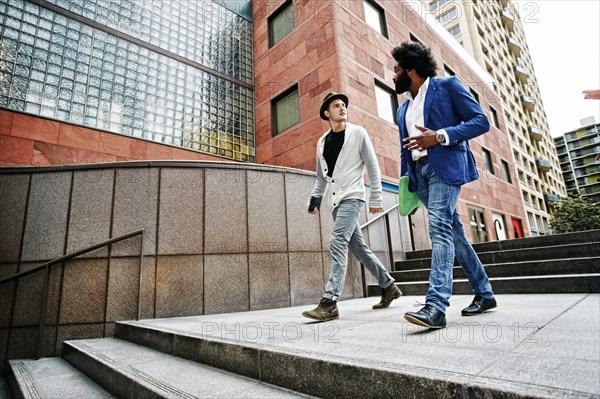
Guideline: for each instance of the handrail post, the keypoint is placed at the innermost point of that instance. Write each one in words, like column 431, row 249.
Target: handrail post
column 139, row 304
column 43, row 311
column 364, row 280
column 388, row 233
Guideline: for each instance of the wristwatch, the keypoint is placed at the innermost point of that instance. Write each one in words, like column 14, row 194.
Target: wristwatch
column 441, row 138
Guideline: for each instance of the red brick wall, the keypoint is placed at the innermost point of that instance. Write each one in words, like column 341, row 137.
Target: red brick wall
column 27, row 140
column 333, row 49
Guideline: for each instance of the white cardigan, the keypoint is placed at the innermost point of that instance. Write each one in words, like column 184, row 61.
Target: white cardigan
column 347, row 181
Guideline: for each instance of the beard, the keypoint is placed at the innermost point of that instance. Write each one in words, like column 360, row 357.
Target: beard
column 402, row 83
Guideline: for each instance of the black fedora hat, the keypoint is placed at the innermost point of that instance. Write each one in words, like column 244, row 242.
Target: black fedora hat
column 329, row 98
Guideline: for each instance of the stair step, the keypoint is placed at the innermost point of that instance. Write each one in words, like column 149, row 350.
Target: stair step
column 514, row 269
column 524, row 243
column 552, row 284
column 369, row 355
column 591, row 249
column 130, row 370
column 51, row 377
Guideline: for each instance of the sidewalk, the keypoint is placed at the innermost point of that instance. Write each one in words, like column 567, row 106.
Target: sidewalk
column 531, row 345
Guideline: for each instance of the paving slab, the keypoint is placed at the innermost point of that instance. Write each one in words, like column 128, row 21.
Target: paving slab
column 545, row 345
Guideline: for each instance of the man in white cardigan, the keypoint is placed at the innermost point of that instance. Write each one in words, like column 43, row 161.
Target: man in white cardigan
column 343, row 152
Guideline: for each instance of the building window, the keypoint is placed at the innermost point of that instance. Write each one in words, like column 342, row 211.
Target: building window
column 478, row 226
column 449, row 16
column 474, row 94
column 281, row 23
column 387, row 102
column 494, row 117
column 448, row 72
column 487, row 161
column 506, row 170
column 455, row 30
column 434, row 6
column 286, row 110
column 375, row 17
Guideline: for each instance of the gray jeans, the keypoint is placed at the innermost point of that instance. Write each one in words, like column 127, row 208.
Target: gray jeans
column 346, row 235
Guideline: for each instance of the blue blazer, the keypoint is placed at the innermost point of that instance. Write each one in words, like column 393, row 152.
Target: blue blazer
column 448, row 105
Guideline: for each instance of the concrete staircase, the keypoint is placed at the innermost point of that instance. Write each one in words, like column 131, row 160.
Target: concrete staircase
column 561, row 263
column 178, row 358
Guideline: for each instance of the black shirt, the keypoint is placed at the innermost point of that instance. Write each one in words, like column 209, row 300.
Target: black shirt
column 331, row 151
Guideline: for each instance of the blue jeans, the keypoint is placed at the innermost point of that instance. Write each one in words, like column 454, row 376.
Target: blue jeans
column 448, row 240
column 346, row 235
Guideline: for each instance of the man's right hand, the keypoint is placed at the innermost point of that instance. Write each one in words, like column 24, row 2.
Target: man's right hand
column 314, row 211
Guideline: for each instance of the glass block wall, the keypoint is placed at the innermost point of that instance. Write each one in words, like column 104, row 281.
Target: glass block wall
column 177, row 72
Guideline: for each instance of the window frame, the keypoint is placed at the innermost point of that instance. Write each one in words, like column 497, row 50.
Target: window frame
column 393, row 97
column 284, row 94
column 278, row 12
column 382, row 20
column 488, row 166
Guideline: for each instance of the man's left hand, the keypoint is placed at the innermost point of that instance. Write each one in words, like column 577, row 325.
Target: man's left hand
column 422, row 142
column 375, row 210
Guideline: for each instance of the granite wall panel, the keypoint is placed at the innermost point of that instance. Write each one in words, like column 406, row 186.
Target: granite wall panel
column 83, row 294
column 135, row 207
column 226, row 283
column 181, row 213
column 304, row 231
column 91, row 210
column 179, row 285
column 269, row 280
column 226, row 223
column 267, row 231
column 307, row 281
column 13, row 191
column 46, row 220
column 123, row 289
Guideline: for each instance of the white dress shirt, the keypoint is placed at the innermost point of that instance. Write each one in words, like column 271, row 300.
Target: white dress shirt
column 414, row 116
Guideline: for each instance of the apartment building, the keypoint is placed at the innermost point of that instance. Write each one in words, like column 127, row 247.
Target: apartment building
column 579, row 155
column 492, row 32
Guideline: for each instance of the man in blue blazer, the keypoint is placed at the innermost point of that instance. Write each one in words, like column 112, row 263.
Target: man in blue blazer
column 436, row 121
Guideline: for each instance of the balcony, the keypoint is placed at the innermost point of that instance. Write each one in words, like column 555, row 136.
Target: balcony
column 521, row 73
column 543, row 165
column 508, row 20
column 514, row 46
column 528, row 103
column 551, row 198
column 535, row 133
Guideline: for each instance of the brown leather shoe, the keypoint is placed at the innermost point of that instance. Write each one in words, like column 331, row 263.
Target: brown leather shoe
column 387, row 296
column 325, row 311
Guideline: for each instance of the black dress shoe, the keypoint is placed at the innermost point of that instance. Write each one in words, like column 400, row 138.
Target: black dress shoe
column 479, row 305
column 427, row 317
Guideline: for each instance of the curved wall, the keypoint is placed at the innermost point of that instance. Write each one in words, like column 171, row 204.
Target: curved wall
column 219, row 237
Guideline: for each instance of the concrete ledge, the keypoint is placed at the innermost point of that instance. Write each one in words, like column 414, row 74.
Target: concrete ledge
column 379, row 355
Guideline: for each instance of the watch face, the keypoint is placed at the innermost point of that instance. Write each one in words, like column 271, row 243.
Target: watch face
column 440, row 138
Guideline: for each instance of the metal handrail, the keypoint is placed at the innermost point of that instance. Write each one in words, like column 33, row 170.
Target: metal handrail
column 385, row 216
column 46, row 267
column 370, row 222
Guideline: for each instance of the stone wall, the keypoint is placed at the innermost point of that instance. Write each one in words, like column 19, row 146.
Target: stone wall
column 218, row 237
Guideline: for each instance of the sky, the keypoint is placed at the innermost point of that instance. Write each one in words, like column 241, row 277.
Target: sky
column 563, row 37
